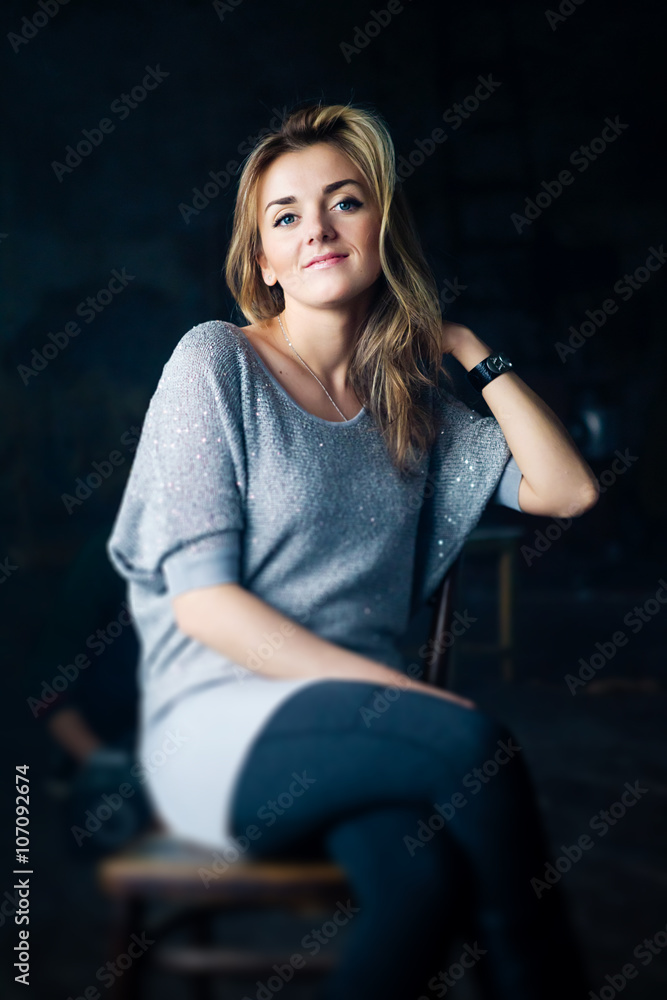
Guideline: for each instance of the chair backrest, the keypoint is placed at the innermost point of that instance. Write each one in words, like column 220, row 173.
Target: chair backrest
column 438, row 659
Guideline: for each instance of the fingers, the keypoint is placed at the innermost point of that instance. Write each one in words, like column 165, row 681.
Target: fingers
column 457, row 699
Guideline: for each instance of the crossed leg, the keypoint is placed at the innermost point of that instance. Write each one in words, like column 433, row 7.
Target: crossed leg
column 371, row 781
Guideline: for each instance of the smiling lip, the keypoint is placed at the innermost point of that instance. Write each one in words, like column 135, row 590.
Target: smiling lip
column 326, row 260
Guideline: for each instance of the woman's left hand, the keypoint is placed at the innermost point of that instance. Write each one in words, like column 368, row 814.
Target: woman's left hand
column 452, row 334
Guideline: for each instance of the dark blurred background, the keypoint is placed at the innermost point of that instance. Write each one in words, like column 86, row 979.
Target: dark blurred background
column 114, row 224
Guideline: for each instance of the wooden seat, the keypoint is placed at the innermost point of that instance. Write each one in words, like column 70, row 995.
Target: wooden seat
column 161, row 867
column 158, row 867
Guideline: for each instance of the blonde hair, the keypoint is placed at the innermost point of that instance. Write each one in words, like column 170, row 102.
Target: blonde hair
column 398, row 348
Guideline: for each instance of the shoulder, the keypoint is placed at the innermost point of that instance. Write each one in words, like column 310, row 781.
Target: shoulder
column 206, row 362
column 209, row 342
column 209, row 350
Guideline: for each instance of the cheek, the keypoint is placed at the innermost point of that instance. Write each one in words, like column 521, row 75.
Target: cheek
column 372, row 242
column 372, row 251
column 279, row 255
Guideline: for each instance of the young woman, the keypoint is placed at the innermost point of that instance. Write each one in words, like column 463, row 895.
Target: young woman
column 301, row 486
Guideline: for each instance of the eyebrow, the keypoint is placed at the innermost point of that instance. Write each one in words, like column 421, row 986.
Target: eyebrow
column 327, row 189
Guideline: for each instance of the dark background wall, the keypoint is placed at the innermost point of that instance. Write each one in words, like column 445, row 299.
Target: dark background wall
column 66, row 230
column 122, row 205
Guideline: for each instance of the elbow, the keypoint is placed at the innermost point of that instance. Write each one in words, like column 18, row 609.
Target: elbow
column 586, row 499
column 573, row 503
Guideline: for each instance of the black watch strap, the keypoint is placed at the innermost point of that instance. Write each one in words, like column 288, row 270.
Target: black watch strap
column 488, row 369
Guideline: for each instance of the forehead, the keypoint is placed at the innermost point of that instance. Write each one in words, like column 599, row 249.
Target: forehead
column 305, row 170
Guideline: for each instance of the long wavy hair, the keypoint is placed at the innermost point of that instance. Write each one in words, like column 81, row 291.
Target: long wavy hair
column 398, row 348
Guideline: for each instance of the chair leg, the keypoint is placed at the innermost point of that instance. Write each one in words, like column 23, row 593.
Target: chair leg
column 128, row 970
column 505, row 610
column 202, row 983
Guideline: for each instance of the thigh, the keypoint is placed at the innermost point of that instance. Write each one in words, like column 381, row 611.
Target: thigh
column 339, row 706
column 339, row 747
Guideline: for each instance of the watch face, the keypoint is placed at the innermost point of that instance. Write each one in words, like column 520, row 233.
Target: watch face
column 499, row 363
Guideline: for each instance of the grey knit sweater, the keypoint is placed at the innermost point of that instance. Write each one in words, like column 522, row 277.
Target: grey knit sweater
column 233, row 480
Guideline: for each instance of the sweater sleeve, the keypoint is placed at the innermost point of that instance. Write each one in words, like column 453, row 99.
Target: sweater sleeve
column 181, row 518
column 507, row 491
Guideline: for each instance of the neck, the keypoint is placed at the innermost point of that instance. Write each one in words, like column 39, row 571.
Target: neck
column 325, row 339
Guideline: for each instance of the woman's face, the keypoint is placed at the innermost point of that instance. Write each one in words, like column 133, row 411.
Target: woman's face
column 312, row 221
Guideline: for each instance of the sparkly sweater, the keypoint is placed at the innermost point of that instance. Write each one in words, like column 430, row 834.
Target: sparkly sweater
column 233, row 480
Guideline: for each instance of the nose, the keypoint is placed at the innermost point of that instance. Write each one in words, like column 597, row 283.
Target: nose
column 320, row 226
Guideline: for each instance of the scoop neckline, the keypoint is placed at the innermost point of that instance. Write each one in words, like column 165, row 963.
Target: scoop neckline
column 283, row 390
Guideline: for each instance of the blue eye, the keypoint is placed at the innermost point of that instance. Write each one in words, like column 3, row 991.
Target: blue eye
column 349, row 201
column 343, row 201
column 286, row 216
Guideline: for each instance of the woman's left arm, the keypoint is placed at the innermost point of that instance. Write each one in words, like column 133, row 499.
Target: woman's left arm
column 556, row 479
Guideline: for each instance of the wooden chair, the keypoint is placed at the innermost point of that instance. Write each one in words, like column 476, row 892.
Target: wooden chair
column 160, row 868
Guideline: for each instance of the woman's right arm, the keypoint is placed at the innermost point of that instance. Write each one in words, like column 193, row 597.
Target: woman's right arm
column 247, row 630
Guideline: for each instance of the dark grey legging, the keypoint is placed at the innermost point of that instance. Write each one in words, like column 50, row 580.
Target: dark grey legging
column 429, row 808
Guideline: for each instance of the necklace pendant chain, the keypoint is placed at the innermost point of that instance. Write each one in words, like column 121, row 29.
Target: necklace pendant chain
column 304, row 363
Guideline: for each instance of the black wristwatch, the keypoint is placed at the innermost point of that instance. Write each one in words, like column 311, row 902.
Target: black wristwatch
column 487, row 370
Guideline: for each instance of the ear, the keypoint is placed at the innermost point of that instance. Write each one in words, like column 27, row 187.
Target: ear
column 269, row 278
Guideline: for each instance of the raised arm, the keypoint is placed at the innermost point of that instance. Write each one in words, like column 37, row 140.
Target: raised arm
column 556, row 479
column 238, row 624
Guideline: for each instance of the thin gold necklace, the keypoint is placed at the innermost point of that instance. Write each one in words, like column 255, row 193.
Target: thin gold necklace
column 304, row 363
